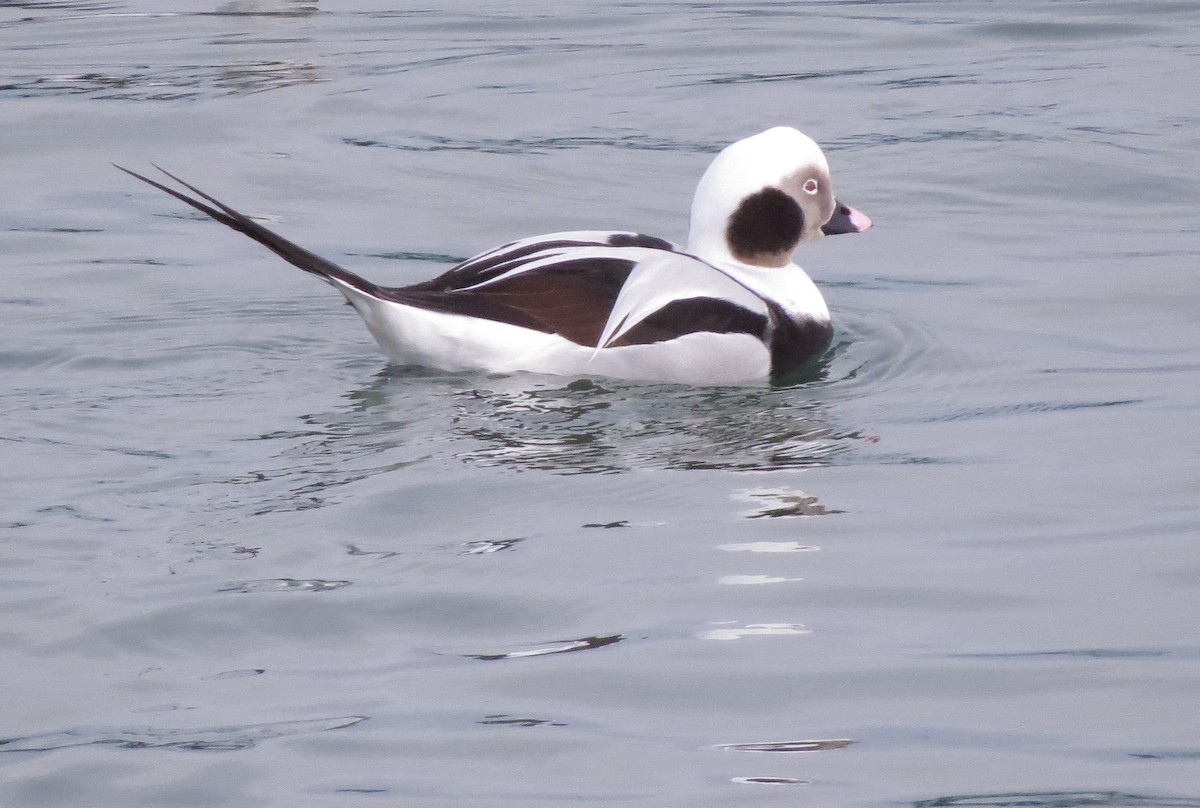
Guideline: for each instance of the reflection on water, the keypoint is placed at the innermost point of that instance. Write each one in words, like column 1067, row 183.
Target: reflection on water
column 775, row 503
column 284, row 585
column 405, row 418
column 825, row 745
column 588, row 428
column 1168, row 754
column 487, row 546
column 238, row 674
column 526, row 423
column 731, row 631
column 553, row 647
column 767, row 547
column 769, row 781
column 504, row 720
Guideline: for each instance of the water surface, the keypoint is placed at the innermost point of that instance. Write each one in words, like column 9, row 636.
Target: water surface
column 246, row 563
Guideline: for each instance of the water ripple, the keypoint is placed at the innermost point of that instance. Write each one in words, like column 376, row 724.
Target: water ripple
column 165, row 84
column 808, row 75
column 1091, row 653
column 429, row 142
column 971, row 413
column 1059, row 799
column 206, row 739
column 63, row 5
column 874, row 353
column 976, row 134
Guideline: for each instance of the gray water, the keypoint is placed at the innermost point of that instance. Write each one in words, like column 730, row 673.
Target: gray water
column 244, row 563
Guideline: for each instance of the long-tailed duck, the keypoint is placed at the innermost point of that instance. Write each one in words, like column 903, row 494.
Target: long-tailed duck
column 729, row 307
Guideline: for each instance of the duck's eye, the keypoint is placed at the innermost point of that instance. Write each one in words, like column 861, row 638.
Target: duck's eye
column 811, row 187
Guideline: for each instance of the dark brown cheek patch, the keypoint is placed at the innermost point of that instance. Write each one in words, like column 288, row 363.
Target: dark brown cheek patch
column 766, row 223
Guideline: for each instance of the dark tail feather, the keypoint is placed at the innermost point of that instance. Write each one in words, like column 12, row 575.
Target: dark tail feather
column 293, row 253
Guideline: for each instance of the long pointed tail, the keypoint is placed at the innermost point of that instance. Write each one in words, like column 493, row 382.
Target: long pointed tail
column 289, row 251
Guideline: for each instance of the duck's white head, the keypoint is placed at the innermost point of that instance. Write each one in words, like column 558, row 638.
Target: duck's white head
column 763, row 197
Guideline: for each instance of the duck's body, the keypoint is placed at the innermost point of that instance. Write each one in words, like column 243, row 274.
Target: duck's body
column 729, row 308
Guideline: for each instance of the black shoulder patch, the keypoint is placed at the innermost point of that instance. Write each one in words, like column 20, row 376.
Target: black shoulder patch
column 765, row 223
column 570, row 298
column 639, row 240
column 795, row 343
column 692, row 315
